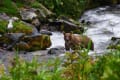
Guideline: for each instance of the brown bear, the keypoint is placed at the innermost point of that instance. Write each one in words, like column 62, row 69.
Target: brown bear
column 75, row 41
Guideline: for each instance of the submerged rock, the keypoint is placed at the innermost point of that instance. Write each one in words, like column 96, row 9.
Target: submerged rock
column 56, row 50
column 46, row 32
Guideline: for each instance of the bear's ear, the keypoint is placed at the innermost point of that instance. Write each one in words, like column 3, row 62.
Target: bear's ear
column 71, row 32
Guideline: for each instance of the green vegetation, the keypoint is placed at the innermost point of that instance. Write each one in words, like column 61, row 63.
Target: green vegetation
column 70, row 8
column 76, row 66
column 6, row 6
column 18, row 27
column 22, row 27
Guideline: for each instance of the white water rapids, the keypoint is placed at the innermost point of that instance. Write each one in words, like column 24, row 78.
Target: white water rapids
column 105, row 24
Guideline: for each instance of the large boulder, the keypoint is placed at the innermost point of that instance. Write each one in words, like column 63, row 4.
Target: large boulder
column 38, row 42
column 41, row 12
column 27, row 14
column 65, row 25
column 20, row 42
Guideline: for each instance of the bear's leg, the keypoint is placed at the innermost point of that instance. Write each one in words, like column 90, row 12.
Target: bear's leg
column 67, row 46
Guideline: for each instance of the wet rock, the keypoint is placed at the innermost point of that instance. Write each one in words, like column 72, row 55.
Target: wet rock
column 22, row 46
column 28, row 14
column 115, row 38
column 23, row 42
column 115, row 43
column 14, row 38
column 37, row 42
column 64, row 25
column 56, row 50
column 36, row 23
column 46, row 32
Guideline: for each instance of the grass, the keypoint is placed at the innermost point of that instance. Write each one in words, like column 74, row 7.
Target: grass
column 7, row 6
column 75, row 66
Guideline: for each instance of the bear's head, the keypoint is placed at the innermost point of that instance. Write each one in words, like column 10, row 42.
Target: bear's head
column 67, row 36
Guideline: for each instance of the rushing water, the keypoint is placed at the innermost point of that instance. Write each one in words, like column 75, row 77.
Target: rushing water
column 105, row 23
column 57, row 39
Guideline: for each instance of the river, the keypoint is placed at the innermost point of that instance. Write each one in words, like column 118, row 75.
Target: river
column 105, row 24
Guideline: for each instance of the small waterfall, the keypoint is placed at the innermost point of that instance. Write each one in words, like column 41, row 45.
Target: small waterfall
column 57, row 39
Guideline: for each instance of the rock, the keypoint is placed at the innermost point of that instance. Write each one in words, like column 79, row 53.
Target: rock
column 115, row 43
column 64, row 25
column 4, row 16
column 43, row 12
column 14, row 38
column 115, row 38
column 37, row 42
column 36, row 23
column 23, row 42
column 45, row 32
column 22, row 46
column 15, row 18
column 56, row 50
column 28, row 14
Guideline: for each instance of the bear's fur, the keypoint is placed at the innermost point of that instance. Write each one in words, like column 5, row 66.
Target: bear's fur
column 75, row 41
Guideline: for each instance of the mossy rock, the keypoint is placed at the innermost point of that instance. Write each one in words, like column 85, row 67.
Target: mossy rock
column 22, row 46
column 18, row 27
column 28, row 43
column 5, row 40
column 38, row 42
